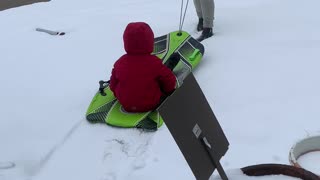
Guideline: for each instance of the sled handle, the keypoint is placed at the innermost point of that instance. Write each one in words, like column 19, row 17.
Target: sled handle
column 194, row 54
column 102, row 85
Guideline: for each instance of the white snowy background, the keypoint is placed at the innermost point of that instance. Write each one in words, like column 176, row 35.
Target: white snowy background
column 260, row 75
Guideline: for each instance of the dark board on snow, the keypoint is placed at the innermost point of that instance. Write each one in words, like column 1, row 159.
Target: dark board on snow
column 189, row 117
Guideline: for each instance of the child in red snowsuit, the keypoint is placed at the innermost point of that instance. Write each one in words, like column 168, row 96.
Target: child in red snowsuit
column 139, row 79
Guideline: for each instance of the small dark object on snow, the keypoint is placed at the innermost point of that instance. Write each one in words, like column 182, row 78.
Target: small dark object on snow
column 50, row 32
column 7, row 165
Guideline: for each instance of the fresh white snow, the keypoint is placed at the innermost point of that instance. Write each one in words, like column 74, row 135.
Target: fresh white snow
column 310, row 161
column 260, row 74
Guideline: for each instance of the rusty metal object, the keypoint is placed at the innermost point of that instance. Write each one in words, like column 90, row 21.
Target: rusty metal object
column 279, row 169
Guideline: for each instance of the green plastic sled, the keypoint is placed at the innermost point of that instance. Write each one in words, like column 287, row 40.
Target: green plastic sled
column 108, row 110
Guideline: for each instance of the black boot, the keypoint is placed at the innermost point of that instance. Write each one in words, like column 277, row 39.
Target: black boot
column 173, row 61
column 200, row 24
column 206, row 33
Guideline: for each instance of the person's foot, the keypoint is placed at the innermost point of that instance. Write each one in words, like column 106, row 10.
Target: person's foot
column 206, row 33
column 200, row 24
column 173, row 61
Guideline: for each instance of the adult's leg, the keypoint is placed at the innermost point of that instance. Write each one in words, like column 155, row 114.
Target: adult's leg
column 207, row 7
column 197, row 5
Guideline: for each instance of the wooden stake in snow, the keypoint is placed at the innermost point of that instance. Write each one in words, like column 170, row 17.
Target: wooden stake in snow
column 51, row 32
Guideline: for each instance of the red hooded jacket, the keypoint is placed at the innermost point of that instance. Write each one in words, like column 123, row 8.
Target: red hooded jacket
column 138, row 78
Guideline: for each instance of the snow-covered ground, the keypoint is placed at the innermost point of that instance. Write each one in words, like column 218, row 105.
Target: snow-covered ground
column 260, row 75
column 309, row 161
